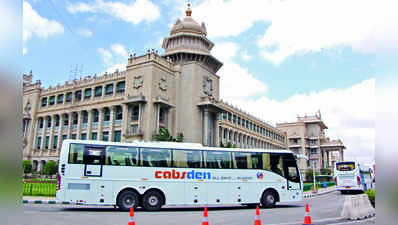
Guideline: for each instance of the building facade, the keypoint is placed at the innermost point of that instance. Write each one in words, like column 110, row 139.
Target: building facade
column 307, row 137
column 178, row 90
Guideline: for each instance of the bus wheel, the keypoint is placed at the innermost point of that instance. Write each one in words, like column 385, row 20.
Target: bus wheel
column 127, row 199
column 269, row 199
column 152, row 201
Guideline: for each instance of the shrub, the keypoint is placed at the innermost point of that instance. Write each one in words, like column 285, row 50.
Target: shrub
column 309, row 175
column 27, row 166
column 371, row 195
column 50, row 168
column 325, row 171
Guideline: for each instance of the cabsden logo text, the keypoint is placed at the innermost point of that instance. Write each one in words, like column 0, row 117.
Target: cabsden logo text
column 182, row 175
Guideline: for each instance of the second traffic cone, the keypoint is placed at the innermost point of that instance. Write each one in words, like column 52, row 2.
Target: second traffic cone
column 131, row 219
column 205, row 221
column 257, row 220
column 307, row 217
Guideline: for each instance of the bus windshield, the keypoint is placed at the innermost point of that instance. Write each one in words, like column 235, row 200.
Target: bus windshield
column 345, row 166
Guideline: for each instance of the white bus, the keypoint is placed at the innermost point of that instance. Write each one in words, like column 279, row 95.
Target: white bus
column 153, row 174
column 350, row 176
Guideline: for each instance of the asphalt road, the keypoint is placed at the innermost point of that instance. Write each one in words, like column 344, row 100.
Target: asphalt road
column 323, row 210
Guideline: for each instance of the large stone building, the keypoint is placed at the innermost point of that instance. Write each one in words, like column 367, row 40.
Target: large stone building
column 178, row 90
column 307, row 137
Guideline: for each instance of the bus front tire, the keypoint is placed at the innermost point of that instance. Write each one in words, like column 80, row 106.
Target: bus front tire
column 152, row 201
column 269, row 199
column 127, row 199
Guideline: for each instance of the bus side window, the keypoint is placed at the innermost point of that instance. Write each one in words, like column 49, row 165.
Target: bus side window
column 240, row 160
column 187, row 159
column 93, row 156
column 76, row 153
column 276, row 163
column 218, row 160
column 156, row 157
column 254, row 161
column 121, row 156
column 266, row 161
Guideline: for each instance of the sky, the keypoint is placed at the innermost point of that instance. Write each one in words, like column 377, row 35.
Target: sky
column 281, row 58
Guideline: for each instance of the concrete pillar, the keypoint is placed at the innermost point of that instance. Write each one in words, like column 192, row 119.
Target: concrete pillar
column 217, row 128
column 69, row 133
column 341, row 155
column 61, row 125
column 50, row 142
column 79, row 125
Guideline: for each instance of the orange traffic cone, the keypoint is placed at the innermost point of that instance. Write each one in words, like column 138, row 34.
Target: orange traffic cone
column 307, row 217
column 257, row 220
column 205, row 221
column 131, row 219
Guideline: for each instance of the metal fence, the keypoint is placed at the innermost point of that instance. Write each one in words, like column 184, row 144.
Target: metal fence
column 39, row 189
column 308, row 187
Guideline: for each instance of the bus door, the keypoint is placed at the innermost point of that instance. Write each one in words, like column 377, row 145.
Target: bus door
column 292, row 173
column 94, row 158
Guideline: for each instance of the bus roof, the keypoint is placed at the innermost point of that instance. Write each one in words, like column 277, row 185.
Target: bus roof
column 174, row 145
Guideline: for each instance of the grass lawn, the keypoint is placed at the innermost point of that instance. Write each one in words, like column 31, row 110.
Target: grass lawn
column 39, row 189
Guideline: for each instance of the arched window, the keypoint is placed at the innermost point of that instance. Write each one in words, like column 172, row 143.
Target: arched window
column 118, row 113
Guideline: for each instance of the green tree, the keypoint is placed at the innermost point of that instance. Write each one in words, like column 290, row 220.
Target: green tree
column 164, row 135
column 221, row 145
column 50, row 168
column 27, row 166
column 325, row 171
column 229, row 145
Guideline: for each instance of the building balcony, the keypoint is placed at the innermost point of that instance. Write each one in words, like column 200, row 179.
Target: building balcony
column 133, row 132
column 94, row 124
column 84, row 125
column 105, row 123
column 117, row 122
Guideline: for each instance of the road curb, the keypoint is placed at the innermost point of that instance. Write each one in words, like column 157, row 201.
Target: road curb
column 310, row 195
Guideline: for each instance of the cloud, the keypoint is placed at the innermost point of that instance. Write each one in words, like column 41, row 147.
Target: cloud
column 114, row 57
column 300, row 27
column 135, row 12
column 119, row 49
column 349, row 113
column 236, row 81
column 84, row 32
column 34, row 24
column 245, row 55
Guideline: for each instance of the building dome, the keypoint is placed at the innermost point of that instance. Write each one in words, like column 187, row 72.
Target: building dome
column 188, row 25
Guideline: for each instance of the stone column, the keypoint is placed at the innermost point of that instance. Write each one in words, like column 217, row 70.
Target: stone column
column 79, row 125
column 50, row 141
column 157, row 117
column 69, row 132
column 111, row 123
column 61, row 125
column 125, row 122
column 217, row 139
column 89, row 121
column 140, row 115
column 341, row 154
column 205, row 127
column 99, row 127
column 43, row 135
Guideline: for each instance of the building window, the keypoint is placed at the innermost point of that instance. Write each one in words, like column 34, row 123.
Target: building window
column 57, row 120
column 98, row 91
column 118, row 113
column 105, row 135
column 41, row 122
column 38, row 143
column 134, row 129
column 162, row 115
column 68, row 97
column 85, row 116
column 120, row 86
column 75, row 118
column 66, row 120
column 60, row 98
column 55, row 142
column 224, row 116
column 247, row 124
column 234, row 119
column 107, row 114
column 94, row 135
column 229, row 117
column 52, row 100
column 47, row 140
column 48, row 119
column 117, row 136
column 64, row 137
column 74, row 136
column 313, row 151
column 109, row 89
column 44, row 102
column 83, row 136
column 135, row 113
column 78, row 95
column 239, row 120
column 95, row 115
column 87, row 93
